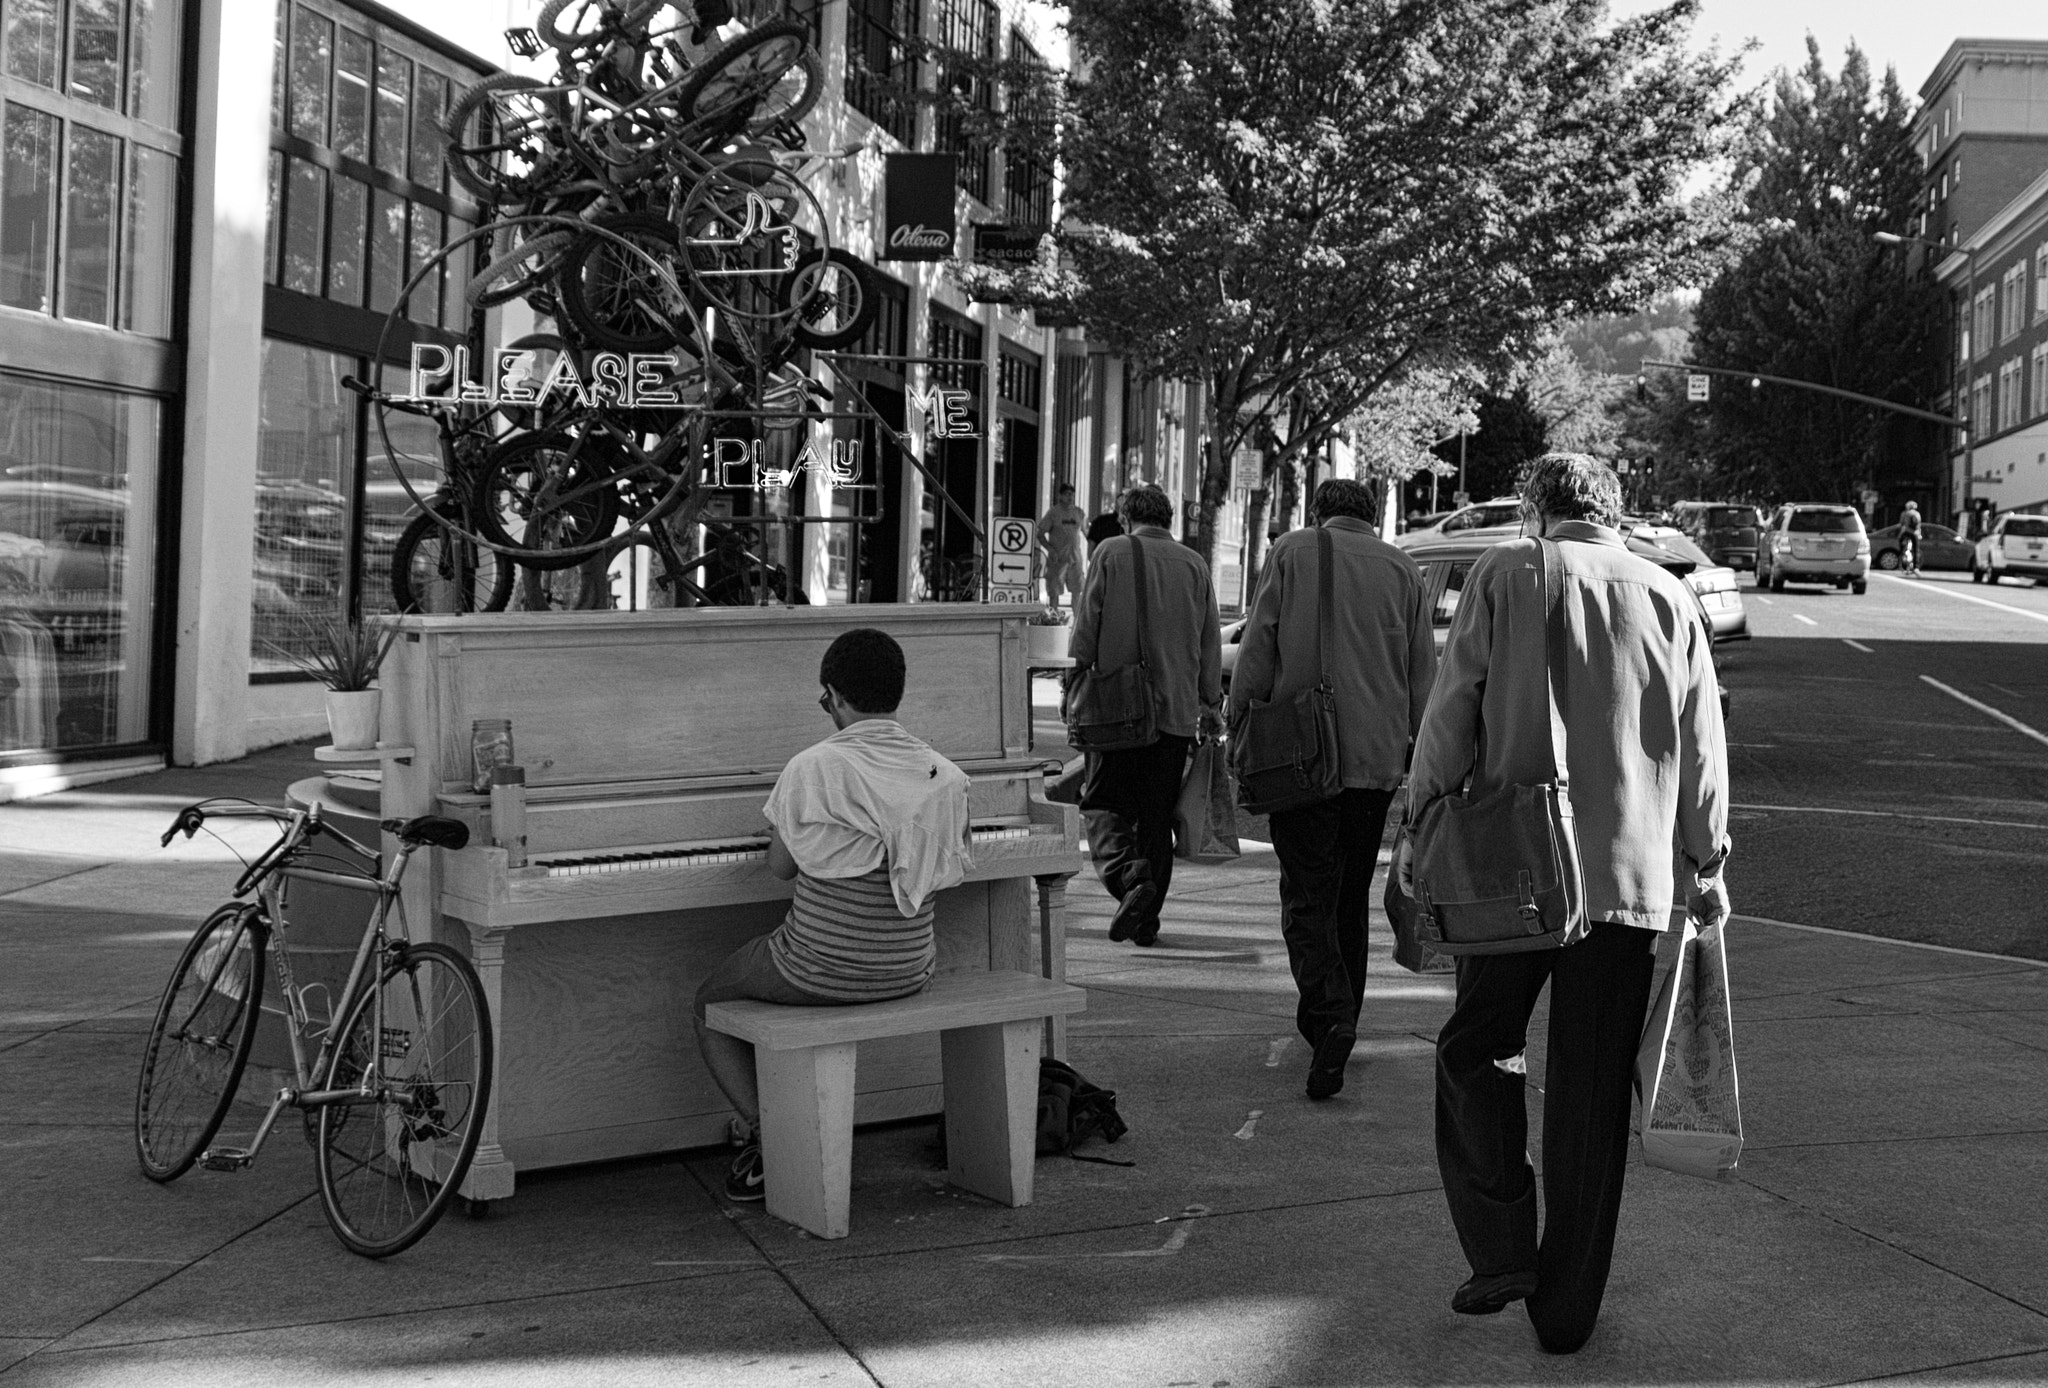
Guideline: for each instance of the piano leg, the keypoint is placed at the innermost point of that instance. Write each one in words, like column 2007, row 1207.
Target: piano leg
column 1052, row 951
column 491, row 1173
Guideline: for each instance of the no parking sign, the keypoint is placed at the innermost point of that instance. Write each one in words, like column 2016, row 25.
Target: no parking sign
column 1009, row 564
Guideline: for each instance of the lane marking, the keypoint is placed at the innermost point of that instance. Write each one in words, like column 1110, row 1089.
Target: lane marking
column 1245, row 1133
column 1858, row 645
column 1802, row 617
column 1966, row 597
column 1888, row 940
column 1273, row 1052
column 1893, row 814
column 1764, row 600
column 1981, row 707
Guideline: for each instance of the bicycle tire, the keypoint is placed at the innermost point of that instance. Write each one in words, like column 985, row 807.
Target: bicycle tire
column 634, row 16
column 720, row 207
column 763, row 78
column 817, row 298
column 379, row 1197
column 570, row 525
column 608, row 293
column 433, row 569
column 472, row 158
column 175, row 1120
column 528, row 266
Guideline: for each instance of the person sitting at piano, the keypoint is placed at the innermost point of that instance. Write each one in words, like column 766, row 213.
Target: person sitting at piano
column 872, row 823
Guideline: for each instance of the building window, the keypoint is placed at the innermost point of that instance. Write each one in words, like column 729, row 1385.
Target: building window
column 2038, row 383
column 968, row 31
column 1980, row 407
column 1983, row 328
column 305, row 481
column 2041, row 280
column 880, row 71
column 77, row 567
column 1028, row 157
column 2009, row 395
column 2012, row 302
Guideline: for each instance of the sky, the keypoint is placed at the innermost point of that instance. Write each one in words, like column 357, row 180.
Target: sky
column 1910, row 35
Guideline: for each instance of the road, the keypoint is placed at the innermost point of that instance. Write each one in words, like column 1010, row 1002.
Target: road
column 1877, row 788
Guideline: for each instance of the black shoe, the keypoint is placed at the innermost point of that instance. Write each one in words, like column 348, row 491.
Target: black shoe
column 743, row 1181
column 1487, row 1294
column 1147, row 934
column 1326, row 1071
column 1133, row 912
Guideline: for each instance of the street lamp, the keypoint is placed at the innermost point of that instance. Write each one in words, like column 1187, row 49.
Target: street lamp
column 1968, row 414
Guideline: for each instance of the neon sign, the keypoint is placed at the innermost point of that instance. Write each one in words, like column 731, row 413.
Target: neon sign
column 641, row 380
column 948, row 413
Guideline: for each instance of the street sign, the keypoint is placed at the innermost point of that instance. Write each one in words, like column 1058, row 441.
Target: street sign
column 1009, row 563
column 1696, row 386
column 1248, row 469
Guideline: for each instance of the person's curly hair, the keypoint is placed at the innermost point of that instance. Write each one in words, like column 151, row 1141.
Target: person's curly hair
column 866, row 666
column 1146, row 504
column 1343, row 496
column 1573, row 486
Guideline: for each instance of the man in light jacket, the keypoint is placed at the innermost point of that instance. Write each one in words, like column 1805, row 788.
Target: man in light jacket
column 1380, row 663
column 1648, row 774
column 1128, row 796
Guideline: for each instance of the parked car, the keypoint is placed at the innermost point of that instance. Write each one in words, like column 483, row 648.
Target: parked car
column 2016, row 545
column 1499, row 519
column 1719, row 592
column 1727, row 533
column 1813, row 542
column 1446, row 564
column 1233, row 642
column 1940, row 548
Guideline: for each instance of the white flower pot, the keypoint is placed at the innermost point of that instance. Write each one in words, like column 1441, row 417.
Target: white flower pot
column 352, row 719
column 1047, row 643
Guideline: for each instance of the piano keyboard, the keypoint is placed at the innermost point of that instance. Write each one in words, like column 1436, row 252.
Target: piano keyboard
column 706, row 855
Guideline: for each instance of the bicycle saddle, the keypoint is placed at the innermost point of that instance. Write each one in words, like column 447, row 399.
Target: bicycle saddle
column 433, row 830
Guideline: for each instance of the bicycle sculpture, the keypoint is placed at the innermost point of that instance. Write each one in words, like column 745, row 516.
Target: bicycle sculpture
column 651, row 202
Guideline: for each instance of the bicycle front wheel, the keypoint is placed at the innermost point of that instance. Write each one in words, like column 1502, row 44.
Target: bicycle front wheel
column 434, row 569
column 392, row 1157
column 200, row 1041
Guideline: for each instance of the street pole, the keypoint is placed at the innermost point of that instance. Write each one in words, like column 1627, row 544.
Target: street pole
column 1969, row 413
column 1461, row 467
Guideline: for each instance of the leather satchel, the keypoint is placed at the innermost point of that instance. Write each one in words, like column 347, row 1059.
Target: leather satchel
column 1116, row 710
column 1501, row 873
column 1285, row 752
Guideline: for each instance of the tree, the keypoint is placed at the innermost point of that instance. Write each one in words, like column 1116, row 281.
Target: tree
column 1300, row 201
column 1812, row 296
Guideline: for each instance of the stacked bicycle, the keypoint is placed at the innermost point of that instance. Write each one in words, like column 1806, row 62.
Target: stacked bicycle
column 653, row 202
column 391, row 1077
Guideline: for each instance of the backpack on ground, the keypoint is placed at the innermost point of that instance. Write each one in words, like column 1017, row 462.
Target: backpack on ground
column 1071, row 1110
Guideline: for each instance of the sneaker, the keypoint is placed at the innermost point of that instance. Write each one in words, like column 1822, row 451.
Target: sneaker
column 743, row 1181
column 1133, row 911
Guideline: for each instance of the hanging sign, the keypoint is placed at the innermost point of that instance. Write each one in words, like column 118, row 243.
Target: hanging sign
column 1007, row 246
column 1696, row 386
column 917, row 207
column 948, row 413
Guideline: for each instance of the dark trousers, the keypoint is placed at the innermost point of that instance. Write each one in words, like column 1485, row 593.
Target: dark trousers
column 1327, row 852
column 1128, row 799
column 1599, row 996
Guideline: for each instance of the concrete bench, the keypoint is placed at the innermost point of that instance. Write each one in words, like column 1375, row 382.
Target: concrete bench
column 989, row 1026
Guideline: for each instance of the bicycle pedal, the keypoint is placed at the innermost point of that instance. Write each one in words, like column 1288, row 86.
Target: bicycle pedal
column 226, row 1158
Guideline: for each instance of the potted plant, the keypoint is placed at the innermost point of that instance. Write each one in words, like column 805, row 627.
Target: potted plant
column 1046, row 634
column 344, row 656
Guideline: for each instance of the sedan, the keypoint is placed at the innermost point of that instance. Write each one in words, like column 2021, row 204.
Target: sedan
column 1940, row 548
column 1499, row 519
column 1714, row 584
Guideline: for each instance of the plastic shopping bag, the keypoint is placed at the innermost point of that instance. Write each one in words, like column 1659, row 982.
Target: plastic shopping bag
column 1205, row 820
column 1685, row 1070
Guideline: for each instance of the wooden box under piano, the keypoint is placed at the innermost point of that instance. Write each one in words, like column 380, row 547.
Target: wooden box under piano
column 650, row 742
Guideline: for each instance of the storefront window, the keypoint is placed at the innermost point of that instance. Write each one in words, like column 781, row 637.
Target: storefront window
column 387, row 505
column 312, row 50
column 352, row 96
column 153, row 62
column 305, row 476
column 351, row 211
column 28, row 204
column 91, row 184
column 96, row 52
column 147, row 241
column 394, row 96
column 31, row 39
column 305, row 221
column 77, row 567
column 387, row 249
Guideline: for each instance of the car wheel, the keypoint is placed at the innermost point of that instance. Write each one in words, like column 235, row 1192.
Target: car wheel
column 1976, row 574
column 1777, row 583
column 1888, row 560
column 1860, row 587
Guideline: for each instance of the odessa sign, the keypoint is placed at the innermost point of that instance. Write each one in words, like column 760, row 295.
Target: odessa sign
column 917, row 207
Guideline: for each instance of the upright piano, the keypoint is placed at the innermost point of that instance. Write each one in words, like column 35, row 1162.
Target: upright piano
column 650, row 742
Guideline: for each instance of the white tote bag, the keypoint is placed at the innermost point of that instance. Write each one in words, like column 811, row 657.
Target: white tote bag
column 1685, row 1069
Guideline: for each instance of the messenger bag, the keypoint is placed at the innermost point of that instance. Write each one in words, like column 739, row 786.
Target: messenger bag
column 1501, row 874
column 1118, row 710
column 1285, row 753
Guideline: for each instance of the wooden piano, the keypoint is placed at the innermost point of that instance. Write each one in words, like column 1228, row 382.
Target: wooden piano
column 650, row 742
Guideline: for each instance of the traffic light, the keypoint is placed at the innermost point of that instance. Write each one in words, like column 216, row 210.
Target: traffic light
column 1642, row 388
column 1756, row 383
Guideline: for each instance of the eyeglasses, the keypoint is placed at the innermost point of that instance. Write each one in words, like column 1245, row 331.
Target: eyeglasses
column 825, row 701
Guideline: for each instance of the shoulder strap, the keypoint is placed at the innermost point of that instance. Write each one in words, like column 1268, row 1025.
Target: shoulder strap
column 1554, row 618
column 1325, row 561
column 1138, row 570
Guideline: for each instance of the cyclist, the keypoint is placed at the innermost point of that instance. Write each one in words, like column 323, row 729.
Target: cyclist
column 1909, row 540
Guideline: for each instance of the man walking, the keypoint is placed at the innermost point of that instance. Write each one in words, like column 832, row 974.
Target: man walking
column 1648, row 771
column 1060, row 545
column 1380, row 662
column 1128, row 796
column 1909, row 539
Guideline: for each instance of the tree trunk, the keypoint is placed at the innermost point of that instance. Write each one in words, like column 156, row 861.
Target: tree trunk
column 1290, row 495
column 1215, row 480
column 1255, row 544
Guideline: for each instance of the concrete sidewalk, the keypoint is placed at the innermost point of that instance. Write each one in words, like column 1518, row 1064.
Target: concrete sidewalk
column 1887, row 1221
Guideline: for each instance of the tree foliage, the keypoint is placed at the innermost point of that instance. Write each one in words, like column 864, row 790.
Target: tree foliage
column 1299, row 201
column 1824, row 166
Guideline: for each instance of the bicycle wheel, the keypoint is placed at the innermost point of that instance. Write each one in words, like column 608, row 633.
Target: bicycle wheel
column 504, row 136
column 528, row 266
column 832, row 298
column 614, row 295
column 199, row 1043
column 392, row 1158
column 763, row 78
column 545, row 500
column 433, row 569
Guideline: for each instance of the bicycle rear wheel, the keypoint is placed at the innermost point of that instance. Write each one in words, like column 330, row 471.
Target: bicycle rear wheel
column 392, row 1160
column 199, row 1044
column 435, row 569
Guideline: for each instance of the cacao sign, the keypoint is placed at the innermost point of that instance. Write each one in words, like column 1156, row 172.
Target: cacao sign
column 917, row 207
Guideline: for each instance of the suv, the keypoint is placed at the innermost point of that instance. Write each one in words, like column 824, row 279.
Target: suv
column 1814, row 543
column 1727, row 533
column 2017, row 544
